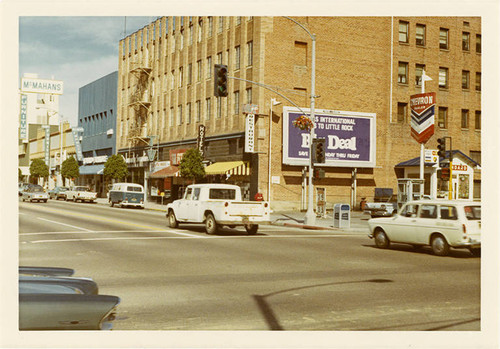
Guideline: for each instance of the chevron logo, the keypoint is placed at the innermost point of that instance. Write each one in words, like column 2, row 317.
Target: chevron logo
column 422, row 116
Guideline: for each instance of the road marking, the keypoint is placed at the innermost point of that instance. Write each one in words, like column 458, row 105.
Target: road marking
column 68, row 225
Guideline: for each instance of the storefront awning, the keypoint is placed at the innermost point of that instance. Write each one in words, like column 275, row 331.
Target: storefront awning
column 233, row 168
column 91, row 169
column 170, row 171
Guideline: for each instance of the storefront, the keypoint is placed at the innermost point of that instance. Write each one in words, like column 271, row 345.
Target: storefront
column 231, row 172
column 465, row 177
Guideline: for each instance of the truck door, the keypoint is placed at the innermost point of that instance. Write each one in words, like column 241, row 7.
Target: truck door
column 184, row 205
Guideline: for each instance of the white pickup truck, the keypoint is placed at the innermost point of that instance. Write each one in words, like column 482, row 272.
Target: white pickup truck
column 216, row 205
column 81, row 193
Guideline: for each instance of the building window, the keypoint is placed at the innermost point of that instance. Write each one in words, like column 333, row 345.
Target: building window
column 249, row 95
column 403, row 73
column 402, row 110
column 190, row 35
column 403, row 32
column 179, row 112
column 236, row 102
column 465, row 118
column 219, row 107
column 477, row 121
column 190, row 73
column 419, row 70
column 478, row 43
column 300, row 53
column 237, row 57
column 220, row 25
column 181, row 76
column 200, row 31
column 209, row 67
column 219, row 58
column 443, row 77
column 172, row 80
column 465, row 41
column 443, row 38
column 249, row 53
column 210, row 26
column 465, row 79
column 238, row 20
column 198, row 111
column 478, row 81
column 443, row 117
column 188, row 113
column 172, row 116
column 198, row 71
column 209, row 108
column 172, row 47
column 420, row 35
column 475, row 155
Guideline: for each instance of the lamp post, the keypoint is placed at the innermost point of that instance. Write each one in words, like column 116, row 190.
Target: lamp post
column 273, row 103
column 310, row 217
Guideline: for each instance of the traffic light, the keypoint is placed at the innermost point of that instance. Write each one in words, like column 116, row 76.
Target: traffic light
column 220, row 80
column 445, row 174
column 319, row 173
column 441, row 150
column 318, row 150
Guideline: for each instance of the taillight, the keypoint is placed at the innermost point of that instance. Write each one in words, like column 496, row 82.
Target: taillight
column 265, row 205
column 226, row 204
column 464, row 230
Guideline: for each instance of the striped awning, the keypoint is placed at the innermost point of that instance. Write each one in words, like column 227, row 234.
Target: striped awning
column 234, row 168
column 170, row 171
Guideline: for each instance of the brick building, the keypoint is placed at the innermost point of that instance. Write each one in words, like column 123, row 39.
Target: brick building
column 363, row 64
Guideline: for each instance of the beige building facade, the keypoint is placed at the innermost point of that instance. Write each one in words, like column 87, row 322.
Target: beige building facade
column 363, row 64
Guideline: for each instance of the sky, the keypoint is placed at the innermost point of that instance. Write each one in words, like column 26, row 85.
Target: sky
column 75, row 50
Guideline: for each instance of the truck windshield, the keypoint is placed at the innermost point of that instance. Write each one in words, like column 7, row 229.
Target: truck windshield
column 222, row 194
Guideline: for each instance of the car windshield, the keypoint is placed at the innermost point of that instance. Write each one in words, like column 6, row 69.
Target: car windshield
column 37, row 189
column 81, row 189
column 472, row 212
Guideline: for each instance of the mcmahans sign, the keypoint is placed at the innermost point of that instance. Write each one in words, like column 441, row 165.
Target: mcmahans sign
column 54, row 87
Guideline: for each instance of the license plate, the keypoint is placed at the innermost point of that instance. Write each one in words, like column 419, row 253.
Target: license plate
column 134, row 200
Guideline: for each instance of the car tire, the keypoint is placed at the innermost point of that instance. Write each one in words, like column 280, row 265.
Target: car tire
column 440, row 246
column 172, row 221
column 211, row 225
column 381, row 239
column 476, row 252
column 251, row 229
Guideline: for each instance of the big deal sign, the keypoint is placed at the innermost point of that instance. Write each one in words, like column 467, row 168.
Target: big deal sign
column 422, row 116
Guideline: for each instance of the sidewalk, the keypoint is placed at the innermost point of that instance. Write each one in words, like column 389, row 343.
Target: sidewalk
column 358, row 222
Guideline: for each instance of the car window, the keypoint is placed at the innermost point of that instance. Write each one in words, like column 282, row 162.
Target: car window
column 472, row 212
column 428, row 211
column 130, row 188
column 189, row 191
column 409, row 210
column 82, row 189
column 37, row 189
column 448, row 212
column 196, row 194
column 222, row 194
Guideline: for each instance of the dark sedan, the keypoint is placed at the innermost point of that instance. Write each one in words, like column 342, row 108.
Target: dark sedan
column 58, row 193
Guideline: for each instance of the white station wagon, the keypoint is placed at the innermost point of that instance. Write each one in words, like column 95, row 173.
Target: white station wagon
column 440, row 224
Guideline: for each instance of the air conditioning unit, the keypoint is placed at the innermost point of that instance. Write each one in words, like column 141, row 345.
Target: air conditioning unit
column 110, row 132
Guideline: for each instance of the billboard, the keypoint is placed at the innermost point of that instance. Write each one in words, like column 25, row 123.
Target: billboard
column 54, row 87
column 350, row 138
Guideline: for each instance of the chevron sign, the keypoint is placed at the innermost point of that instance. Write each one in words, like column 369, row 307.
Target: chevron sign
column 422, row 116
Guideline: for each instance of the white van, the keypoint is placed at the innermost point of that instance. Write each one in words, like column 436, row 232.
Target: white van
column 127, row 194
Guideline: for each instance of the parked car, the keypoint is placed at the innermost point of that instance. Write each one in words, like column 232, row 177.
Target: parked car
column 80, row 193
column 58, row 193
column 440, row 224
column 126, row 194
column 216, row 205
column 25, row 186
column 385, row 208
column 35, row 193
column 53, row 299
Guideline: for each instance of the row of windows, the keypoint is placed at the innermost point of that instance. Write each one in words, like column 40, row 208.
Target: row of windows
column 443, row 76
column 444, row 36
column 97, row 123
column 138, row 41
column 443, row 118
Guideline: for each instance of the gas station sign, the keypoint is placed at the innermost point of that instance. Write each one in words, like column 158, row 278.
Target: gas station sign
column 422, row 116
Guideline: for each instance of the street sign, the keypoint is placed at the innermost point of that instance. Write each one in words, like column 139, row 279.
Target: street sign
column 151, row 154
column 431, row 156
column 422, row 116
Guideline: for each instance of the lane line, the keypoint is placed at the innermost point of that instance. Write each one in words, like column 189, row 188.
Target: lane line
column 68, row 225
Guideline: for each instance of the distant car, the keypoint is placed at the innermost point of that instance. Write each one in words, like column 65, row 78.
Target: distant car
column 58, row 193
column 80, row 193
column 35, row 193
column 440, row 224
column 25, row 186
column 126, row 194
column 52, row 299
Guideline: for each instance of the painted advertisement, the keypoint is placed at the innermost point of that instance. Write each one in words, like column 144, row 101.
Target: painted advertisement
column 350, row 138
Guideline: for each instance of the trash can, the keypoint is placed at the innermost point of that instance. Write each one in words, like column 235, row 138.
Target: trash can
column 342, row 216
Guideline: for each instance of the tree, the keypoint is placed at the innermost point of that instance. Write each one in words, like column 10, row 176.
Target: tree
column 38, row 168
column 115, row 167
column 70, row 168
column 191, row 165
column 20, row 175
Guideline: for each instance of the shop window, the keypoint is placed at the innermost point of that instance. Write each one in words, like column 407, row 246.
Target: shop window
column 443, row 38
column 403, row 73
column 403, row 32
column 420, row 35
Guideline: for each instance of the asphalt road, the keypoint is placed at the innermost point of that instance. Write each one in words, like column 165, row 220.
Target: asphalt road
column 280, row 279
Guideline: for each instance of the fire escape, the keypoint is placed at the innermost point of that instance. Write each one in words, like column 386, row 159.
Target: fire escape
column 140, row 102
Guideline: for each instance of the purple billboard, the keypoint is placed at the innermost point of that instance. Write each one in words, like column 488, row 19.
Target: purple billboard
column 350, row 138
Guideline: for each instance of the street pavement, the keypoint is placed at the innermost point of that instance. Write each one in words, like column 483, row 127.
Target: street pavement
column 356, row 225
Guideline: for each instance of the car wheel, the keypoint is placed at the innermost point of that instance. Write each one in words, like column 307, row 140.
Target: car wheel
column 381, row 239
column 251, row 229
column 476, row 252
column 211, row 225
column 440, row 246
column 172, row 221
